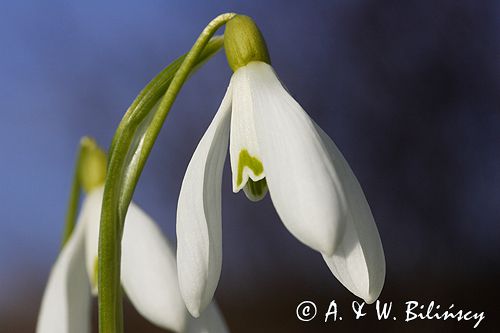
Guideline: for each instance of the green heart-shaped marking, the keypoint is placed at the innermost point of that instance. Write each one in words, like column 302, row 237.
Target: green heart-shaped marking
column 251, row 162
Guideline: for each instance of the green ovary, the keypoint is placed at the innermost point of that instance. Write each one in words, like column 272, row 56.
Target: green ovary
column 251, row 162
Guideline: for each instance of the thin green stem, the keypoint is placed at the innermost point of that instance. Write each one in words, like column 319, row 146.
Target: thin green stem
column 74, row 198
column 180, row 77
column 129, row 151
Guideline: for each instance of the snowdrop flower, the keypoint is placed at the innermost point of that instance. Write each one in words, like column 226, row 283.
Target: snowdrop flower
column 274, row 146
column 149, row 272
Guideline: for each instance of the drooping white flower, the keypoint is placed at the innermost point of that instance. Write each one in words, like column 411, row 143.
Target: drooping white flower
column 274, row 146
column 149, row 277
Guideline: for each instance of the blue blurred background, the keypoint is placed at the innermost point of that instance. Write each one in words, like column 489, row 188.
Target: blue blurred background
column 408, row 90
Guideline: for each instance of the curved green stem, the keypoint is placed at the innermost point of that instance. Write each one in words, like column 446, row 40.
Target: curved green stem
column 128, row 154
column 74, row 198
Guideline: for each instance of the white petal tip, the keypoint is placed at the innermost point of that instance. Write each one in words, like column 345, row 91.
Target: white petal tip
column 325, row 242
column 196, row 293
column 195, row 314
column 210, row 321
column 192, row 301
column 326, row 249
column 375, row 289
column 370, row 300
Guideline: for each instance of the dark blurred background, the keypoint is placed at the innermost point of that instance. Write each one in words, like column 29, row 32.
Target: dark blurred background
column 409, row 91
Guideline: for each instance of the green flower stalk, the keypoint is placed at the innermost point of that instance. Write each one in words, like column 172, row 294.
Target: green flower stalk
column 129, row 151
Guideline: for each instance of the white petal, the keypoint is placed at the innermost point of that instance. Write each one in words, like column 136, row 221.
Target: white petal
column 66, row 300
column 91, row 210
column 149, row 272
column 358, row 261
column 210, row 321
column 243, row 147
column 199, row 243
column 304, row 186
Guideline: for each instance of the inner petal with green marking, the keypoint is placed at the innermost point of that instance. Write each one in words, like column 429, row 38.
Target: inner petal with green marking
column 251, row 176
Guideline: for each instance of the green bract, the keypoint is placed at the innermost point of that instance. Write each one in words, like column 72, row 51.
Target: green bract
column 92, row 168
column 244, row 43
column 90, row 172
